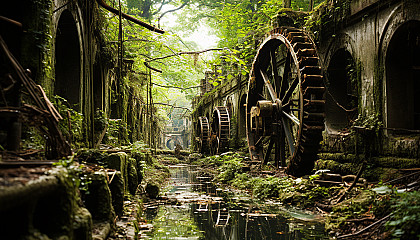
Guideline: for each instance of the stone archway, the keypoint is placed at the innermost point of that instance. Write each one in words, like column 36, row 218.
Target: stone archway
column 402, row 67
column 342, row 98
column 68, row 60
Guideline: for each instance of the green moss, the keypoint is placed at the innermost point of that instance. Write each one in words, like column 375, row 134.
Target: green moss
column 94, row 156
column 155, row 173
column 119, row 161
column 336, row 167
column 289, row 17
column 133, row 180
column 82, row 224
column 350, row 208
column 37, row 41
column 395, row 162
column 341, row 157
column 328, row 17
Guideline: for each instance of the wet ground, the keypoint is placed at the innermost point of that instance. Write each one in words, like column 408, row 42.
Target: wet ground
column 193, row 208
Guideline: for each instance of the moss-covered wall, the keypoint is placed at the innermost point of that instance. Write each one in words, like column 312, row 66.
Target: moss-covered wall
column 92, row 88
column 45, row 207
column 364, row 29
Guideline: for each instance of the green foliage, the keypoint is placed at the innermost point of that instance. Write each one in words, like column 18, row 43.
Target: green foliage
column 271, row 186
column 100, row 121
column 72, row 124
column 75, row 171
column 404, row 223
column 371, row 122
column 117, row 133
column 230, row 168
column 358, row 204
column 328, row 17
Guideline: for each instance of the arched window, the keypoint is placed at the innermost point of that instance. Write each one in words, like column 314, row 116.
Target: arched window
column 67, row 60
column 402, row 67
column 342, row 96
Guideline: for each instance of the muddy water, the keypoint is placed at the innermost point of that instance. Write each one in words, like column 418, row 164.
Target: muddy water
column 199, row 210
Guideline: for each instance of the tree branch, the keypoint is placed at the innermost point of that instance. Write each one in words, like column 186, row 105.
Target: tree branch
column 154, row 69
column 172, row 10
column 175, row 86
column 128, row 17
column 192, row 52
column 160, row 8
column 170, row 105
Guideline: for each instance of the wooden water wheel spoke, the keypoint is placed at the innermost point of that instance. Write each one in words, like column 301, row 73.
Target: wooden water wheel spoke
column 290, row 90
column 288, row 135
column 268, row 85
column 292, row 117
column 275, row 71
column 285, row 101
column 285, row 83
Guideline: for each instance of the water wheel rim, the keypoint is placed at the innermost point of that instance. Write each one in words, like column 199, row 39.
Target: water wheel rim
column 203, row 133
column 260, row 80
column 221, row 128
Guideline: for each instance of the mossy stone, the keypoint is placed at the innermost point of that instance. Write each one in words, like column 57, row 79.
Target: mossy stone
column 152, row 190
column 133, row 181
column 116, row 186
column 82, row 224
column 118, row 161
column 99, row 201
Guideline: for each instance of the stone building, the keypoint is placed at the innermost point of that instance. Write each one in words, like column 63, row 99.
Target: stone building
column 368, row 52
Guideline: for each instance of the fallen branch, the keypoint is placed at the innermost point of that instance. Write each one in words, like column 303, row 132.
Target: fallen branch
column 55, row 137
column 50, row 106
column 11, row 21
column 341, row 197
column 365, row 229
column 101, row 136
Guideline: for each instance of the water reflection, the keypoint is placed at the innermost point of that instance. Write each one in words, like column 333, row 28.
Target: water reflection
column 200, row 213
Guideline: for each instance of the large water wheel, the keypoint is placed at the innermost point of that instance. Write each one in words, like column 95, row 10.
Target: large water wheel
column 203, row 134
column 220, row 128
column 285, row 102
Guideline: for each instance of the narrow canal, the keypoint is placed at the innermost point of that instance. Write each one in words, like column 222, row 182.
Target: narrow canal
column 196, row 209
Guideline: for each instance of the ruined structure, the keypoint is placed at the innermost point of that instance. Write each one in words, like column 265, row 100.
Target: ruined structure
column 177, row 132
column 367, row 53
column 63, row 46
column 58, row 49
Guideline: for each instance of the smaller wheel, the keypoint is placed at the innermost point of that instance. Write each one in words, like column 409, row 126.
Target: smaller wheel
column 220, row 130
column 203, row 134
